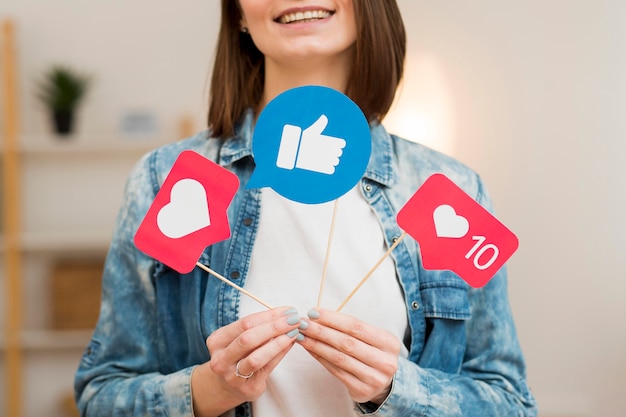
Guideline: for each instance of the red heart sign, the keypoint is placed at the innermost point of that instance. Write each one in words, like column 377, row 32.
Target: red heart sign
column 188, row 213
column 455, row 232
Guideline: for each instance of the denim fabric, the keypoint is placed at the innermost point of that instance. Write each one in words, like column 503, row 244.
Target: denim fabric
column 464, row 356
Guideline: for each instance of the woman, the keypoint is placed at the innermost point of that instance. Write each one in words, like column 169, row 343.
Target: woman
column 412, row 342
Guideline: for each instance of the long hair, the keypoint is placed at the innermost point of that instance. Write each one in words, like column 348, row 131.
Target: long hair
column 239, row 70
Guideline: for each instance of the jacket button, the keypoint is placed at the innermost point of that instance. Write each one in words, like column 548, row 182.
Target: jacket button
column 368, row 188
column 235, row 275
column 247, row 221
column 415, row 305
column 395, row 239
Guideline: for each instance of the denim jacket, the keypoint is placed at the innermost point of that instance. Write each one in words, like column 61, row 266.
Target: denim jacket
column 464, row 356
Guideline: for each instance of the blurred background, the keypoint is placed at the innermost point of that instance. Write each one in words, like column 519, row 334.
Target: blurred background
column 530, row 94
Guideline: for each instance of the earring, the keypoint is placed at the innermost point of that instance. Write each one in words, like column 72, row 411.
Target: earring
column 244, row 29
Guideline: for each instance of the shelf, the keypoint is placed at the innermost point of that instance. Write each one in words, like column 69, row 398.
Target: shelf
column 59, row 197
column 44, row 340
column 61, row 242
column 86, row 144
column 95, row 240
column 55, row 339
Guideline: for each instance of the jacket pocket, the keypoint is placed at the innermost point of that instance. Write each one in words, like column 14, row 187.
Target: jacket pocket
column 446, row 299
column 179, row 300
column 446, row 309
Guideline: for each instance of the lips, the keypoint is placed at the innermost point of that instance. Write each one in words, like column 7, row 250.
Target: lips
column 304, row 16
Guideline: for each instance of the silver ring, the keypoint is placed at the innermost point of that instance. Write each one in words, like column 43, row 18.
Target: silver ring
column 250, row 375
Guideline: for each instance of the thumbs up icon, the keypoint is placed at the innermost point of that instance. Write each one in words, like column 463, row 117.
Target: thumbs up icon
column 309, row 149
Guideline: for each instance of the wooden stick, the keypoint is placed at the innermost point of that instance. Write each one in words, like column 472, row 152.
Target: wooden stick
column 235, row 286
column 369, row 274
column 330, row 239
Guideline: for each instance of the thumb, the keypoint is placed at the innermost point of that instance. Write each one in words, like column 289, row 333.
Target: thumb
column 316, row 128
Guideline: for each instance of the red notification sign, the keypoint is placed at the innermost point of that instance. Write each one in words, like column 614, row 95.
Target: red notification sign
column 455, row 232
column 188, row 213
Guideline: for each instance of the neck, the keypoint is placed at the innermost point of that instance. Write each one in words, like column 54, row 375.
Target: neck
column 280, row 78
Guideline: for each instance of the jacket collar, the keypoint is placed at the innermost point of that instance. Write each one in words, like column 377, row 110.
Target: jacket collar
column 381, row 165
column 238, row 146
column 379, row 169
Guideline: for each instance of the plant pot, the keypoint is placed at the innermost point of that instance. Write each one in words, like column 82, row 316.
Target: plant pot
column 63, row 122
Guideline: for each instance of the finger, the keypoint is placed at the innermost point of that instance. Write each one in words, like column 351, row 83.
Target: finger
column 263, row 360
column 334, row 145
column 249, row 389
column 361, row 388
column 348, row 353
column 340, row 360
column 266, row 337
column 348, row 325
column 224, row 336
column 362, row 382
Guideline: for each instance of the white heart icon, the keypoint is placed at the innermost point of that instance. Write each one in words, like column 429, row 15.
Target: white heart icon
column 187, row 212
column 448, row 223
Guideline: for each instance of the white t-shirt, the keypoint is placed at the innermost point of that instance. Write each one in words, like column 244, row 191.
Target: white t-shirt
column 286, row 269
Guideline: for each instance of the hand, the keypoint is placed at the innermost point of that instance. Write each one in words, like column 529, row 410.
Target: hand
column 309, row 149
column 363, row 357
column 243, row 355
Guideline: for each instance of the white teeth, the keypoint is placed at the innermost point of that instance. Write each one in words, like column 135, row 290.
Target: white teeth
column 304, row 16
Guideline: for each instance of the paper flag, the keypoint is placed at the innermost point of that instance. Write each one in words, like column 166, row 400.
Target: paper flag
column 311, row 144
column 188, row 213
column 455, row 232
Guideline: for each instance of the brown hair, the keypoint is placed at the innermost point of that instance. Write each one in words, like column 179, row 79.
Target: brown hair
column 238, row 72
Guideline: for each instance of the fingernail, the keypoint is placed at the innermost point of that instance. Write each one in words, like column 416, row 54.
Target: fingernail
column 303, row 325
column 300, row 337
column 313, row 314
column 290, row 312
column 293, row 333
column 294, row 319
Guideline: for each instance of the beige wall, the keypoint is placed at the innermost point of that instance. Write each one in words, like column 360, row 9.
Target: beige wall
column 538, row 93
column 530, row 94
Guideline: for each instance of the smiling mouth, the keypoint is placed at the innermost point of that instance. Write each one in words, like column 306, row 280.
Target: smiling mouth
column 304, row 17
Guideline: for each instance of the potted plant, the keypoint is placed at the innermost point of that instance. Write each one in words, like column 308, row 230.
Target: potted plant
column 61, row 90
